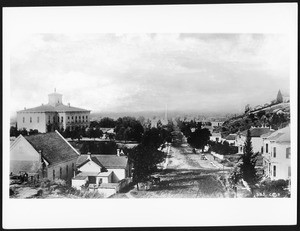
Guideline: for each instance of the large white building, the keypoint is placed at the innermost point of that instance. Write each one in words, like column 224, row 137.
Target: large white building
column 277, row 154
column 54, row 115
column 256, row 139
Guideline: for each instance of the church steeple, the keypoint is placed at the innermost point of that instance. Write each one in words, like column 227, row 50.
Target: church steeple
column 279, row 98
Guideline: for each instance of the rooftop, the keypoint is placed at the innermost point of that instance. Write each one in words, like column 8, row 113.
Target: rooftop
column 281, row 135
column 50, row 108
column 256, row 132
column 54, row 147
column 107, row 161
column 231, row 137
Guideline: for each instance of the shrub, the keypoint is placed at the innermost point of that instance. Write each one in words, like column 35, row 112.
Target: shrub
column 275, row 188
column 11, row 192
column 59, row 182
column 40, row 192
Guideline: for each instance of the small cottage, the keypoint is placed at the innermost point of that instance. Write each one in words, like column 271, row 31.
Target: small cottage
column 96, row 171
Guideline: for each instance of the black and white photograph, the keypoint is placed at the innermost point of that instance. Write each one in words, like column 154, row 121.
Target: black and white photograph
column 125, row 117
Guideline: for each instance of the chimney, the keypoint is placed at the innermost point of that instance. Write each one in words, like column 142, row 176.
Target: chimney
column 89, row 155
column 40, row 152
column 118, row 152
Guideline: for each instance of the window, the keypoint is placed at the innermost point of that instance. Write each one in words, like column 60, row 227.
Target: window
column 49, row 119
column 72, row 118
column 30, row 119
column 23, row 119
column 67, row 170
column 86, row 118
column 73, row 168
column 79, row 118
column 274, row 152
column 60, row 172
column 75, row 118
column 288, row 153
column 53, row 174
column 68, row 118
column 58, row 119
column 38, row 119
column 62, row 119
column 274, row 171
column 92, row 179
column 289, row 171
column 262, row 149
column 267, row 148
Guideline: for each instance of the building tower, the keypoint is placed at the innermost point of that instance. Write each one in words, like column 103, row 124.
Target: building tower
column 54, row 99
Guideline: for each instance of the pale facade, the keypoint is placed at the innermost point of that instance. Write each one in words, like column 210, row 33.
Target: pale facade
column 100, row 169
column 256, row 139
column 216, row 137
column 54, row 115
column 43, row 156
column 277, row 155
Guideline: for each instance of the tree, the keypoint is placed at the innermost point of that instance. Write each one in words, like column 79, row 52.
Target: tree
column 14, row 131
column 67, row 133
column 153, row 138
column 159, row 124
column 33, row 132
column 128, row 128
column 23, row 132
column 145, row 159
column 279, row 98
column 107, row 122
column 247, row 108
column 93, row 132
column 199, row 138
column 147, row 124
column 247, row 167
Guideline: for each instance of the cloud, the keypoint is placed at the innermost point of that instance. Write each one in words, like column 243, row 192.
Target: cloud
column 124, row 72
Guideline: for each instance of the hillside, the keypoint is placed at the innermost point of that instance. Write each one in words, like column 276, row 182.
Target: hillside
column 275, row 116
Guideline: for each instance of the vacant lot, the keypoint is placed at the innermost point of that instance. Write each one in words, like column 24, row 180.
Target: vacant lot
column 185, row 184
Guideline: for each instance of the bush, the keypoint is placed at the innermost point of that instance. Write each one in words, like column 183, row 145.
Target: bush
column 11, row 192
column 40, row 193
column 59, row 182
column 275, row 188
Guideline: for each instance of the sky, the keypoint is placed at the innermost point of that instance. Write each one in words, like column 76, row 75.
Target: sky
column 146, row 72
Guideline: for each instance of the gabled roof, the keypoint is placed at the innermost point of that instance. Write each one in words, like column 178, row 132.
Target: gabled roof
column 231, row 137
column 281, row 135
column 107, row 161
column 266, row 134
column 58, row 108
column 54, row 147
column 256, row 132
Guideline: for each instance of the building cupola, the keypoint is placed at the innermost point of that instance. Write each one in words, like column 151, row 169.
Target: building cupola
column 55, row 99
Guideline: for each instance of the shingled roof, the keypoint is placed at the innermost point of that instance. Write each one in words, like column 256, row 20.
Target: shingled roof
column 256, row 132
column 54, row 147
column 107, row 161
column 58, row 108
